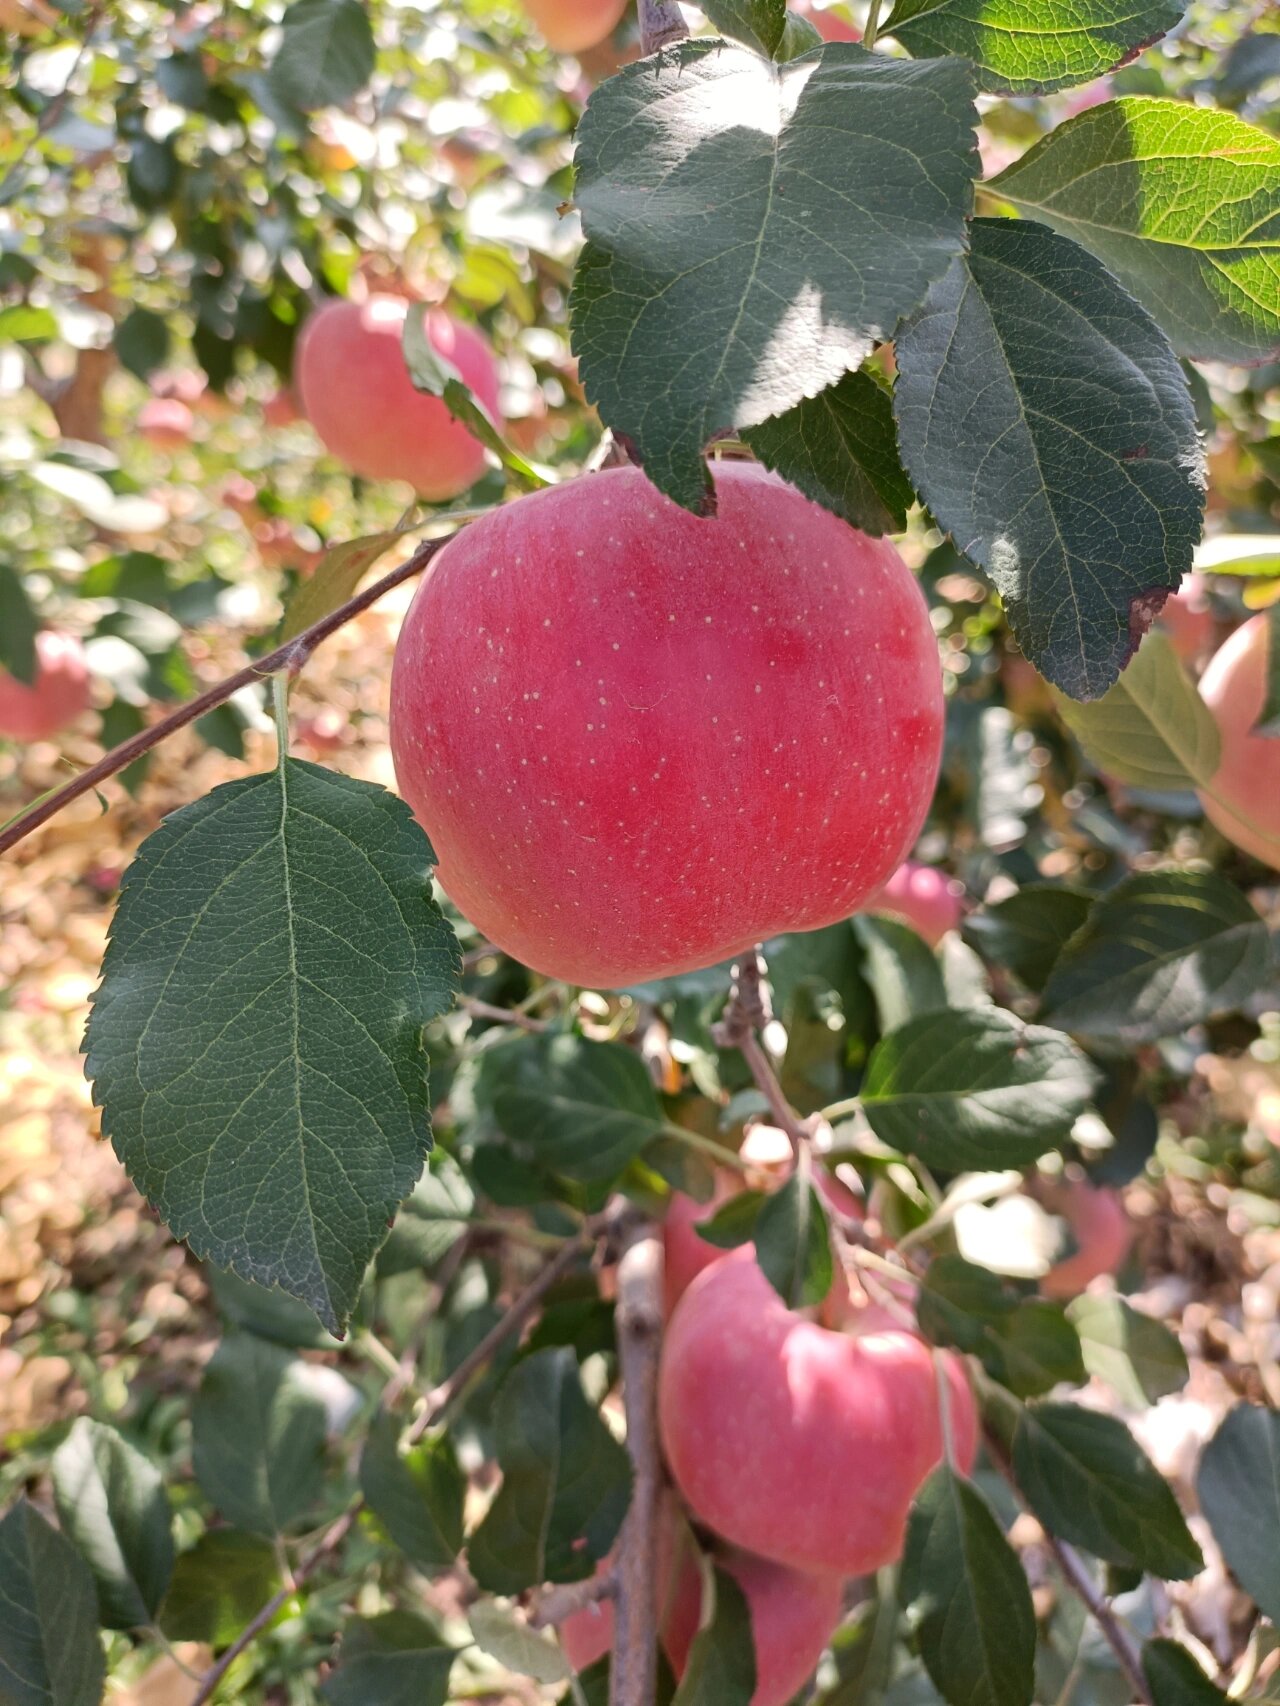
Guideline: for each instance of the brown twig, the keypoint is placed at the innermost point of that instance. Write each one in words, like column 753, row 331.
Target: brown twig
column 639, row 1328
column 556, row 1604
column 661, row 23
column 501, row 1015
column 289, row 656
column 746, row 1014
column 438, row 1401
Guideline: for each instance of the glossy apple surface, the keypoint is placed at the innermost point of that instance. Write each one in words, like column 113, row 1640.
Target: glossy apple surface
column 40, row 709
column 640, row 740
column 1246, row 808
column 923, row 897
column 356, row 392
column 1101, row 1229
column 568, row 26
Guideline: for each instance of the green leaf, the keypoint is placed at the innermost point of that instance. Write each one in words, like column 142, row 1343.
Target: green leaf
column 224, row 1580
column 1137, row 1356
column 393, row 1660
column 1031, row 51
column 338, row 574
column 1152, row 729
column 23, row 324
column 417, row 1495
column 112, row 1505
column 566, row 1482
column 721, row 1668
column 430, row 372
column 1024, row 1343
column 738, row 259
column 49, row 1650
column 1161, row 951
column 1268, row 722
column 589, row 1109
column 734, row 1223
column 1238, row 1486
column 1048, row 425
column 840, row 448
column 760, row 24
column 1089, row 1481
column 516, row 1645
column 18, row 627
column 793, row 1245
column 269, row 1313
column 1182, row 203
column 431, row 1221
column 258, row 1435
column 967, row 1597
column 975, row 1089
column 1026, row 931
column 142, row 342
column 901, row 968
column 256, row 1041
column 1175, row 1679
column 326, row 53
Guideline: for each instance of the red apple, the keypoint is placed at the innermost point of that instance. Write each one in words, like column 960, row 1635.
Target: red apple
column 357, row 394
column 640, row 741
column 567, row 26
column 804, row 1445
column 1100, row 1227
column 165, row 423
column 829, row 25
column 1245, row 800
column 1187, row 619
column 42, row 708
column 923, row 897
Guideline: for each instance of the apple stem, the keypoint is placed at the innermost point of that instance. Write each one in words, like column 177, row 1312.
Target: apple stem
column 747, row 1013
column 639, row 1325
column 661, row 23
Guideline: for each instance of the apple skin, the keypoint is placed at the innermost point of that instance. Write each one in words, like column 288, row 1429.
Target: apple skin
column 800, row 1444
column 165, row 423
column 42, row 708
column 640, row 741
column 829, row 25
column 568, row 26
column 923, row 897
column 356, row 392
column 1187, row 619
column 1102, row 1230
column 1233, row 686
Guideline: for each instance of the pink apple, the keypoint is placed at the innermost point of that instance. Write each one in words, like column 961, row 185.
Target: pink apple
column 42, row 708
column 1244, row 803
column 923, row 897
column 568, row 26
column 1101, row 1229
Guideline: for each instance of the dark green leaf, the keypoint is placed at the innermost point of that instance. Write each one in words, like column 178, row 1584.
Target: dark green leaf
column 734, row 1223
column 338, row 574
column 1161, row 951
column 393, row 1660
column 967, row 1597
column 416, row 1495
column 1182, row 203
column 326, row 53
column 111, row 1503
column 793, row 1245
column 1089, row 1481
column 1031, row 51
column 431, row 1221
column 1026, row 931
column 258, row 1435
column 18, row 627
column 49, row 1651
column 974, row 1090
column 721, row 1669
column 760, row 24
column 1175, row 1679
column 1137, row 1356
column 1151, row 729
column 590, row 1109
column 1238, row 1486
column 1026, row 1344
column 738, row 258
column 256, row 1041
column 182, row 78
column 142, row 342
column 840, row 448
column 223, row 1581
column 1048, row 426
column 566, row 1482
column 430, row 372
column 153, row 172
column 269, row 1313
column 901, row 968
column 1268, row 722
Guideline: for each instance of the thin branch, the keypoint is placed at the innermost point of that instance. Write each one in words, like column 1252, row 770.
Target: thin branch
column 639, row 1327
column 559, row 1603
column 290, row 656
column 438, row 1402
column 743, row 1017
column 661, row 23
column 501, row 1015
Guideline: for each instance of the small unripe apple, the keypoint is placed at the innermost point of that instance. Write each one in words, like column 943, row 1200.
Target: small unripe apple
column 567, row 26
column 1188, row 620
column 165, row 423
column 923, row 897
column 1245, row 803
column 640, row 741
column 1101, row 1229
column 357, row 394
column 801, row 1444
column 42, row 708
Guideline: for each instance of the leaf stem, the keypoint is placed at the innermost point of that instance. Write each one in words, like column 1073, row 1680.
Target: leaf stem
column 280, row 711
column 871, row 33
column 746, row 1014
column 705, row 1146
